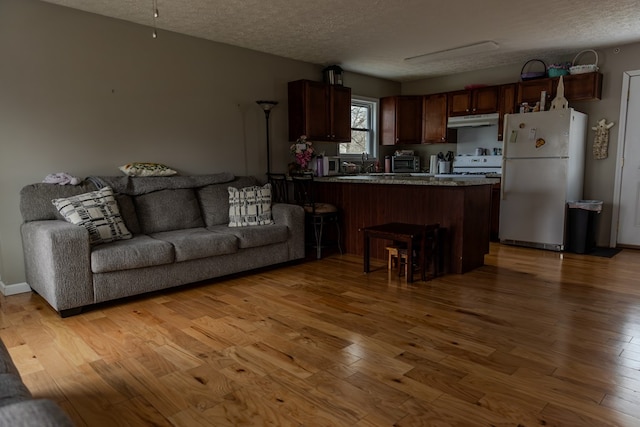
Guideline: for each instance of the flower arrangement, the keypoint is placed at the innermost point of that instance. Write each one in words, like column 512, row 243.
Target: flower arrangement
column 302, row 150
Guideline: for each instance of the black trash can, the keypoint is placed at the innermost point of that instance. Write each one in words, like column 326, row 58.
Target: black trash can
column 582, row 224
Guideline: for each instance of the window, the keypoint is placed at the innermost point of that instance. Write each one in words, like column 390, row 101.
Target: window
column 363, row 129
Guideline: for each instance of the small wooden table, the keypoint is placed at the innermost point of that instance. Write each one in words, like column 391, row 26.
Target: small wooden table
column 411, row 234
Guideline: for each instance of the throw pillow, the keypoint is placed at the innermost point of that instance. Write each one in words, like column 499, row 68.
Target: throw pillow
column 250, row 206
column 98, row 212
column 147, row 169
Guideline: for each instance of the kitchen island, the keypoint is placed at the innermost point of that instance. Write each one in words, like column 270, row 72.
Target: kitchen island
column 462, row 205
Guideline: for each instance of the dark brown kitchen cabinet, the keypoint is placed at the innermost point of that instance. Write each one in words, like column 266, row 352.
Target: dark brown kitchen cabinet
column 577, row 87
column 401, row 120
column 434, row 120
column 581, row 87
column 474, row 101
column 506, row 104
column 529, row 91
column 320, row 111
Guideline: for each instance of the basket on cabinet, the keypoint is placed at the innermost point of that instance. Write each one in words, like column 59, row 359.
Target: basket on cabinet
column 581, row 69
column 532, row 75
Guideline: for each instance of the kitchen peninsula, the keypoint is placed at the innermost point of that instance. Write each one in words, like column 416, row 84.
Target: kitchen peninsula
column 461, row 205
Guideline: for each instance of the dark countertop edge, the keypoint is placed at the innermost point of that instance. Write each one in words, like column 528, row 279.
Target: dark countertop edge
column 432, row 181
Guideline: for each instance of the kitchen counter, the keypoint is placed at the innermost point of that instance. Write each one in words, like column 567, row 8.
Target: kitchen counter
column 461, row 205
column 412, row 179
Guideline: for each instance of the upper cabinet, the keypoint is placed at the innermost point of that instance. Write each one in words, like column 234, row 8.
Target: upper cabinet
column 434, row 120
column 401, row 120
column 577, row 87
column 474, row 101
column 320, row 111
column 506, row 104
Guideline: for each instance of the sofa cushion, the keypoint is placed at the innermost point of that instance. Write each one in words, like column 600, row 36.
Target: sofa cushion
column 35, row 199
column 258, row 235
column 98, row 212
column 138, row 252
column 250, row 206
column 128, row 212
column 167, row 210
column 214, row 200
column 194, row 243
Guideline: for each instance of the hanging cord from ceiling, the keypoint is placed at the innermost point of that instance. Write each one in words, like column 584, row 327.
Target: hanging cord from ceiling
column 154, row 6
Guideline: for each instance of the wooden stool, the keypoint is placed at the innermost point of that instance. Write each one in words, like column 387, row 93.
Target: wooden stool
column 396, row 256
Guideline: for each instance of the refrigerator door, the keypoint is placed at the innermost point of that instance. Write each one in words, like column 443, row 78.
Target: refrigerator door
column 533, row 202
column 535, row 135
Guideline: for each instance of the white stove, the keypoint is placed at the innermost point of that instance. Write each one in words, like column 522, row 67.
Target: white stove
column 475, row 166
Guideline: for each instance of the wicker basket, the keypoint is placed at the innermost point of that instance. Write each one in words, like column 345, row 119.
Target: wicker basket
column 532, row 75
column 581, row 69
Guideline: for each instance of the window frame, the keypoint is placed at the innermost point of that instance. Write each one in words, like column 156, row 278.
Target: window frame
column 373, row 105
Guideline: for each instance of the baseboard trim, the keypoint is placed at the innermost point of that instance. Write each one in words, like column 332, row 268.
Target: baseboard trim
column 16, row 288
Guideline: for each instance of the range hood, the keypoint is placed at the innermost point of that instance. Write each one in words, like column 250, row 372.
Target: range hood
column 472, row 121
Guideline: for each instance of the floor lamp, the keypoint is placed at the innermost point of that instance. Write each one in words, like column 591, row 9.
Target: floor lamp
column 267, row 106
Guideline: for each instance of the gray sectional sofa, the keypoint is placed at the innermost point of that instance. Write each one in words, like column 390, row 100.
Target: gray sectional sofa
column 181, row 235
column 17, row 407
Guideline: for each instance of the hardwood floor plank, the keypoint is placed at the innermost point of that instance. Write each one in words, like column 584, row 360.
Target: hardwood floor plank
column 531, row 338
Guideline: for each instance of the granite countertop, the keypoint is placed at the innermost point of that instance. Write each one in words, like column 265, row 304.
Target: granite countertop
column 411, row 179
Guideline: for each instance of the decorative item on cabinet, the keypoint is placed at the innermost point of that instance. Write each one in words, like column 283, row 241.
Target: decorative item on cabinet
column 333, row 75
column 587, row 68
column 320, row 111
column 533, row 75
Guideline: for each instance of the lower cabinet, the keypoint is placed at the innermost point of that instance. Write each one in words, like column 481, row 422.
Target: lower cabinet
column 495, row 213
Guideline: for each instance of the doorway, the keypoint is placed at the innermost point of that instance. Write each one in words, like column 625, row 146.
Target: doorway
column 625, row 229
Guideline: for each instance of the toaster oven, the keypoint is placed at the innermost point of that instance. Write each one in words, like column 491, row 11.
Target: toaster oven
column 405, row 164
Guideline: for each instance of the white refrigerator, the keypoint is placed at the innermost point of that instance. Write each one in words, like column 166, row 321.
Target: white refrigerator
column 542, row 169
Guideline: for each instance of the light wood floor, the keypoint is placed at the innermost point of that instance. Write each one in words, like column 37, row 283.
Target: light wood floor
column 532, row 338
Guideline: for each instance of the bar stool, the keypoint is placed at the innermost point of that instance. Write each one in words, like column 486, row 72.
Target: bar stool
column 279, row 189
column 317, row 214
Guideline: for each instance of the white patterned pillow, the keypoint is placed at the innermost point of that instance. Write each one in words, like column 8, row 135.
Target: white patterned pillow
column 98, row 212
column 147, row 169
column 250, row 206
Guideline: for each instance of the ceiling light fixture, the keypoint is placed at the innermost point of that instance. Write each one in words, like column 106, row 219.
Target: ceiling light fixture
column 154, row 6
column 471, row 49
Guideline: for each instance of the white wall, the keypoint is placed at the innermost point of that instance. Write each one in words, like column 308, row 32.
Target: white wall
column 85, row 94
column 599, row 174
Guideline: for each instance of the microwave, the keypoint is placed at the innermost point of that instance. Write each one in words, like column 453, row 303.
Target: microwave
column 405, row 164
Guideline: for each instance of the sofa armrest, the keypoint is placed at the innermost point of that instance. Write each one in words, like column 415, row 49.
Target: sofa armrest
column 57, row 262
column 34, row 413
column 293, row 217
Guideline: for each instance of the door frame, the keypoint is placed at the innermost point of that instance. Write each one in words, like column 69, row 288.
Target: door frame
column 622, row 132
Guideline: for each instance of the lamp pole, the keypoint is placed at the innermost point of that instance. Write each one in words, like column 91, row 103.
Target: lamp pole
column 267, row 106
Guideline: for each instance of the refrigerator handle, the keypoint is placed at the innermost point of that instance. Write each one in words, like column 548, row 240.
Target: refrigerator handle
column 504, row 168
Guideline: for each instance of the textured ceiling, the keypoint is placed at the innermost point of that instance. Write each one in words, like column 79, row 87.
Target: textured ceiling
column 374, row 36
